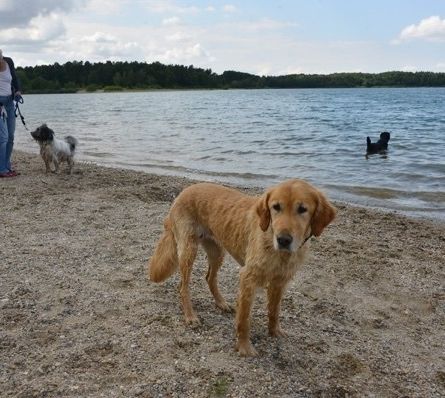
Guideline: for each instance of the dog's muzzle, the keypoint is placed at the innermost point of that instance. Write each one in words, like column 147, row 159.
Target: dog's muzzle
column 284, row 242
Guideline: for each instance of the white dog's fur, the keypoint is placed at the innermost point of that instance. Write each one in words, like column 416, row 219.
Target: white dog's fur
column 54, row 150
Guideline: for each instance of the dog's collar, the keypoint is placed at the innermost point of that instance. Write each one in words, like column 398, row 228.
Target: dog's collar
column 304, row 242
column 310, row 235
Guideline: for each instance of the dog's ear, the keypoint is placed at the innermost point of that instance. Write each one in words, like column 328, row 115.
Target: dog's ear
column 323, row 216
column 262, row 209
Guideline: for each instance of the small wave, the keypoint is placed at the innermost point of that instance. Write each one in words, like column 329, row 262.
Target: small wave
column 98, row 154
column 248, row 176
column 231, row 151
column 387, row 193
column 285, row 153
column 186, row 171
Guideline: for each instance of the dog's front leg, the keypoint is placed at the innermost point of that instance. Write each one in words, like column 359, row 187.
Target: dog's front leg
column 70, row 165
column 47, row 164
column 275, row 292
column 246, row 296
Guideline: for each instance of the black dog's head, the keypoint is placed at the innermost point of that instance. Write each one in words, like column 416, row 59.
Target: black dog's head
column 385, row 136
column 43, row 133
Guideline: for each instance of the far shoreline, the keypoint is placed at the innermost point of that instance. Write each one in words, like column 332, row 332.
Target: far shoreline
column 150, row 90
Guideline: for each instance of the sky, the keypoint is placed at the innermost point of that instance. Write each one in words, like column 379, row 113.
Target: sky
column 274, row 37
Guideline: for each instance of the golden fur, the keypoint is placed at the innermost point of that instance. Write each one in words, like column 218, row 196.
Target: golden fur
column 266, row 235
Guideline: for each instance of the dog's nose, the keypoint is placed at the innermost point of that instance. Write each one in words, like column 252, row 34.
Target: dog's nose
column 284, row 241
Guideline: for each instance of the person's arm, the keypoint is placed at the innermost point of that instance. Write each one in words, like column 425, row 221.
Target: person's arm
column 16, row 88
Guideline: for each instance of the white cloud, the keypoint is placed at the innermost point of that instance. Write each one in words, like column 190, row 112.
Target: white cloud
column 169, row 6
column 101, row 46
column 99, row 37
column 409, row 68
column 178, row 37
column 41, row 29
column 267, row 24
column 171, row 21
column 440, row 67
column 229, row 8
column 432, row 29
column 263, row 70
column 19, row 14
column 185, row 54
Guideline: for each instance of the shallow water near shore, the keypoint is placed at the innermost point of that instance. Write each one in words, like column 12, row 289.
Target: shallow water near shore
column 259, row 137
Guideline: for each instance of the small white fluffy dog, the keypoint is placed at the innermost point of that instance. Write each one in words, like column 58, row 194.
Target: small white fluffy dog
column 54, row 150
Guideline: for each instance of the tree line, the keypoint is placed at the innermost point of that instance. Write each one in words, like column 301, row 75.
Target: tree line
column 113, row 76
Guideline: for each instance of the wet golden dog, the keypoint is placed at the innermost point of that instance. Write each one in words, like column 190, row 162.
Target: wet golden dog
column 266, row 235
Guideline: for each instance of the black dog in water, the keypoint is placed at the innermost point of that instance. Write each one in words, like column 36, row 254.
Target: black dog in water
column 377, row 147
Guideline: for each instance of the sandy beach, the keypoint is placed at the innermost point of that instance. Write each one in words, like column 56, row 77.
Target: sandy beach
column 78, row 317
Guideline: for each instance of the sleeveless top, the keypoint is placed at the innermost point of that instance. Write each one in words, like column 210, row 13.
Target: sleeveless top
column 5, row 81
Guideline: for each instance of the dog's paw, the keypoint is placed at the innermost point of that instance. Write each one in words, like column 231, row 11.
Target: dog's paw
column 225, row 307
column 245, row 349
column 193, row 321
column 277, row 332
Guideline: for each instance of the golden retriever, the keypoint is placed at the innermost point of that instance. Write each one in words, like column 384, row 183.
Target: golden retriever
column 266, row 235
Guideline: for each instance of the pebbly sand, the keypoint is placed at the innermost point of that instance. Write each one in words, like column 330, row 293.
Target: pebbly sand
column 78, row 318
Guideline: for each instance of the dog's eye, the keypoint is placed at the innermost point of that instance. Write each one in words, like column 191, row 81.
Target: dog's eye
column 276, row 207
column 301, row 209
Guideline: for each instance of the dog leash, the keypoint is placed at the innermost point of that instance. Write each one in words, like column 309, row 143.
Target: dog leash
column 19, row 99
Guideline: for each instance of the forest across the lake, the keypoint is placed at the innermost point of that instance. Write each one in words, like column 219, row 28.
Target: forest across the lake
column 115, row 76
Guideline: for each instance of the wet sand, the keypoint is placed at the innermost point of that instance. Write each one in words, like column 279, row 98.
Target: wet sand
column 78, row 318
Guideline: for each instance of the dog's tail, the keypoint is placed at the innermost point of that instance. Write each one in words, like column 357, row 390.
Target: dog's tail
column 164, row 261
column 368, row 141
column 72, row 143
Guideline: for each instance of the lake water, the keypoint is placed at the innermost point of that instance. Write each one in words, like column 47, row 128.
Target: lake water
column 260, row 137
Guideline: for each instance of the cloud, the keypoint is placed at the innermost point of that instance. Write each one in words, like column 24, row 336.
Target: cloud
column 185, row 54
column 171, row 21
column 19, row 14
column 101, row 46
column 168, row 6
column 267, row 24
column 99, row 37
column 229, row 8
column 104, row 7
column 178, row 37
column 409, row 68
column 41, row 29
column 431, row 29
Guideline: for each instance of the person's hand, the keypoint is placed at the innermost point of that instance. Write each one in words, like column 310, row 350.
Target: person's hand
column 18, row 96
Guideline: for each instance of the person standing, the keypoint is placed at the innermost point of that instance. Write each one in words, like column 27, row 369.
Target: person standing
column 9, row 89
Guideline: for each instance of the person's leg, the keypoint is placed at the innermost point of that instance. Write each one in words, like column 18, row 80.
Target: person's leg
column 11, row 131
column 3, row 142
